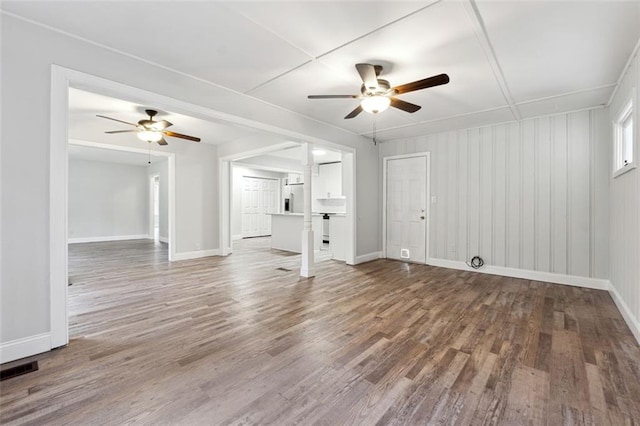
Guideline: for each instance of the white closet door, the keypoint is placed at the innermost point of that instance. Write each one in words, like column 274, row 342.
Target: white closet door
column 406, row 206
column 259, row 197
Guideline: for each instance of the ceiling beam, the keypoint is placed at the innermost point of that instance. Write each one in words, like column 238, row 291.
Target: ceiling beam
column 634, row 52
column 483, row 38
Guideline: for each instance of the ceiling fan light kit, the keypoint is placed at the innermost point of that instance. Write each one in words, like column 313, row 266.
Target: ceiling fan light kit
column 375, row 104
column 150, row 135
column 377, row 94
column 150, row 130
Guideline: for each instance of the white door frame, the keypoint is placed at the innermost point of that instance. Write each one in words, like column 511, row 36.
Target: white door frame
column 152, row 204
column 385, row 161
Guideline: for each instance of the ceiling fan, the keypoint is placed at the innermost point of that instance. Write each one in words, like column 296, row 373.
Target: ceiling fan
column 150, row 130
column 377, row 94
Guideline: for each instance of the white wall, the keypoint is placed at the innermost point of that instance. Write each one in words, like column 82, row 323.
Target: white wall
column 25, row 159
column 625, row 213
column 196, row 190
column 237, row 174
column 530, row 195
column 161, row 168
column 107, row 200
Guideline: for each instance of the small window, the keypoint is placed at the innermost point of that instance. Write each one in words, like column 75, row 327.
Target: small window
column 624, row 136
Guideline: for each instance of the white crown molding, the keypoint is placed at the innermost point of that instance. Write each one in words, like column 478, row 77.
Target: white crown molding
column 625, row 69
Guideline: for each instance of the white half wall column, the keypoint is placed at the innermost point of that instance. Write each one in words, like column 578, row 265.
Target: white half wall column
column 307, row 267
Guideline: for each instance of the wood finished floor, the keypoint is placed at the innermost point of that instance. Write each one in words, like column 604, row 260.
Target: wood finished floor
column 235, row 341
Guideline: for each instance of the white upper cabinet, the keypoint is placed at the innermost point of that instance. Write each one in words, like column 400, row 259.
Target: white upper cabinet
column 330, row 180
column 294, row 178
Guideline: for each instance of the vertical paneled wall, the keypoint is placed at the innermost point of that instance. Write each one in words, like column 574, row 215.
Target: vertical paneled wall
column 529, row 195
column 625, row 208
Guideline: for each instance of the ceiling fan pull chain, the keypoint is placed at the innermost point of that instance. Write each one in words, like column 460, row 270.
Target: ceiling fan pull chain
column 375, row 142
column 149, row 152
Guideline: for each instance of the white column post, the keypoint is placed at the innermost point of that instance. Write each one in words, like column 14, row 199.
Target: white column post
column 307, row 267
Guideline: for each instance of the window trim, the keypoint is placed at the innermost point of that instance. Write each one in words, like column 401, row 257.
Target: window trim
column 628, row 110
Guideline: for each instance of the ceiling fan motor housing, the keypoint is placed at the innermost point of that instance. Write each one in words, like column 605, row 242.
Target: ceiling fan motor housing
column 381, row 90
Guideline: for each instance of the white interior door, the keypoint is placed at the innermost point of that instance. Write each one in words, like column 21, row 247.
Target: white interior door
column 406, row 209
column 259, row 197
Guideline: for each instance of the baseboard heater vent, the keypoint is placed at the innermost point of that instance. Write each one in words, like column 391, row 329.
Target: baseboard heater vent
column 283, row 269
column 18, row 370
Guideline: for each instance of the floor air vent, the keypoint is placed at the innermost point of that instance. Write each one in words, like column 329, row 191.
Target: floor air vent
column 283, row 269
column 18, row 370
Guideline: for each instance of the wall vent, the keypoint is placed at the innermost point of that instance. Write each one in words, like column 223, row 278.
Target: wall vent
column 18, row 370
column 404, row 253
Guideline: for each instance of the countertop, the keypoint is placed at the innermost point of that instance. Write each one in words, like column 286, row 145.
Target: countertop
column 312, row 214
column 293, row 214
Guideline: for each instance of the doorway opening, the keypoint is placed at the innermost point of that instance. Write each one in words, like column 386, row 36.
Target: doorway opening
column 62, row 79
column 259, row 209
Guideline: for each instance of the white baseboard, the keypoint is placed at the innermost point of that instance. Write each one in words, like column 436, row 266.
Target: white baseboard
column 236, row 237
column 27, row 346
column 594, row 283
column 196, row 254
column 111, row 238
column 367, row 257
column 629, row 318
column 163, row 240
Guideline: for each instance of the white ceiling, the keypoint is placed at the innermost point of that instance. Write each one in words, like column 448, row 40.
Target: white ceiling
column 84, row 125
column 506, row 60
column 320, row 155
column 88, row 153
column 287, row 160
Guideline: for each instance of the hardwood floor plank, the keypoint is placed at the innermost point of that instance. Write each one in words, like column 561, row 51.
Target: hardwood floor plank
column 234, row 340
column 528, row 398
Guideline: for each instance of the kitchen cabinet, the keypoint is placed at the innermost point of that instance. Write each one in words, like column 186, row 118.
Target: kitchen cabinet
column 286, row 231
column 330, row 180
column 294, row 179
